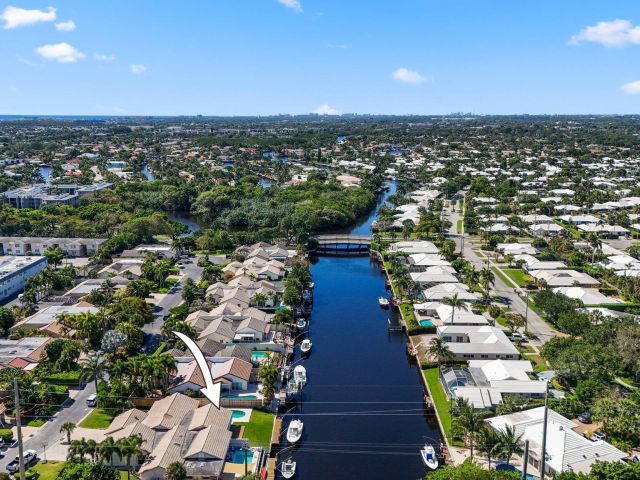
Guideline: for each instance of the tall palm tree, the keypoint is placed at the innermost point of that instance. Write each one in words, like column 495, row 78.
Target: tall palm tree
column 68, row 428
column 487, row 442
column 596, row 245
column 487, row 279
column 439, row 349
column 128, row 449
column 108, row 449
column 76, row 451
column 470, row 420
column 91, row 448
column 509, row 443
column 91, row 368
column 455, row 303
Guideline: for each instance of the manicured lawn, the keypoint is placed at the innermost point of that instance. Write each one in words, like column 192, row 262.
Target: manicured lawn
column 499, row 273
column 49, row 470
column 440, row 401
column 258, row 430
column 518, row 276
column 459, row 226
column 97, row 419
column 35, row 422
column 538, row 362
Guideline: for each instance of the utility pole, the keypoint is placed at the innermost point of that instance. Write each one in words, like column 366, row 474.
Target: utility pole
column 526, row 314
column 543, row 460
column 18, row 427
column 525, row 460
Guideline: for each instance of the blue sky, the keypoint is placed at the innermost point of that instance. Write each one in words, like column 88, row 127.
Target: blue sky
column 246, row 57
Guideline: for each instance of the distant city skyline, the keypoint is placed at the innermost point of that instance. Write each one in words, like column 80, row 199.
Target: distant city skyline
column 269, row 57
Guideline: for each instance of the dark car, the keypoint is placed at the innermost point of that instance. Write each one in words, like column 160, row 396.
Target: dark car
column 585, row 417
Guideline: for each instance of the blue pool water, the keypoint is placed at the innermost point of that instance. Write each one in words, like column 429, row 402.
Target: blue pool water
column 258, row 355
column 248, row 397
column 237, row 414
column 426, row 323
column 237, row 456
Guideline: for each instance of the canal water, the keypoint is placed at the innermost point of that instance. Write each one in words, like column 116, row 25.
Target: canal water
column 362, row 407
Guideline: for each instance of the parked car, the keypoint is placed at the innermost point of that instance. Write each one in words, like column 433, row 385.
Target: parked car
column 516, row 337
column 92, row 400
column 30, row 458
column 585, row 417
column 598, row 436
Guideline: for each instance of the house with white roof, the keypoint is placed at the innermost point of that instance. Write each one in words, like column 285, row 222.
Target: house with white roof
column 563, row 278
column 565, row 450
column 444, row 290
column 477, row 342
column 588, row 296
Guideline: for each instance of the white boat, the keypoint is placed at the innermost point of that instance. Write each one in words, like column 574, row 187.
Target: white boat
column 428, row 455
column 288, row 468
column 305, row 346
column 384, row 302
column 300, row 375
column 301, row 324
column 294, row 431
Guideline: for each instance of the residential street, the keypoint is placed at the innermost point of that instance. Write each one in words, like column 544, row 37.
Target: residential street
column 169, row 301
column 536, row 325
column 49, row 433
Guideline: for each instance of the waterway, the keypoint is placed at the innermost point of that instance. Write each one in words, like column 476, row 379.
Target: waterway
column 362, row 407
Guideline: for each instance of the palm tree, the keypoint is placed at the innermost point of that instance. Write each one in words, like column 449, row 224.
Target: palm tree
column 439, row 350
column 129, row 448
column 454, row 302
column 107, row 449
column 487, row 279
column 487, row 442
column 68, row 428
column 91, row 368
column 76, row 451
column 508, row 443
column 259, row 299
column 91, row 448
column 176, row 471
column 596, row 245
column 471, row 422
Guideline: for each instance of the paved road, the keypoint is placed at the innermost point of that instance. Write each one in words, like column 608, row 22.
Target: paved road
column 49, row 433
column 169, row 301
column 536, row 325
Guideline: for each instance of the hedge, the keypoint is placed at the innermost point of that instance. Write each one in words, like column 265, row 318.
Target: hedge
column 71, row 379
column 6, row 435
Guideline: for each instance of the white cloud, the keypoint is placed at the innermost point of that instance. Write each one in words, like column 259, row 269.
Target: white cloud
column 294, row 5
column 614, row 33
column 60, row 52
column 325, row 109
column 405, row 75
column 14, row 17
column 137, row 69
column 67, row 26
column 632, row 88
column 104, row 58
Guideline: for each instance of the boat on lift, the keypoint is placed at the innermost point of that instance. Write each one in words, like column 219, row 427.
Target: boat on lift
column 428, row 456
column 288, row 468
column 294, row 431
column 305, row 345
column 300, row 324
column 300, row 375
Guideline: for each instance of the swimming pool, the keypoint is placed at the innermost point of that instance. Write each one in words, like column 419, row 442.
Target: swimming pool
column 258, row 355
column 426, row 323
column 235, row 414
column 250, row 396
column 237, row 456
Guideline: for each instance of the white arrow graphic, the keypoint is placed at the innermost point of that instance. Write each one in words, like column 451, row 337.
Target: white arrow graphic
column 212, row 390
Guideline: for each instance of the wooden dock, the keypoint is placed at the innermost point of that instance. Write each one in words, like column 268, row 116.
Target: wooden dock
column 271, row 468
column 275, row 435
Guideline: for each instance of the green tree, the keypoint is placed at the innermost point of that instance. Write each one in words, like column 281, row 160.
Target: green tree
column 7, row 319
column 92, row 369
column 455, row 303
column 68, row 428
column 176, row 471
column 439, row 350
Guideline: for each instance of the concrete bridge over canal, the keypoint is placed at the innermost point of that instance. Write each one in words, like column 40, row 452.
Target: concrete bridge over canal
column 343, row 243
